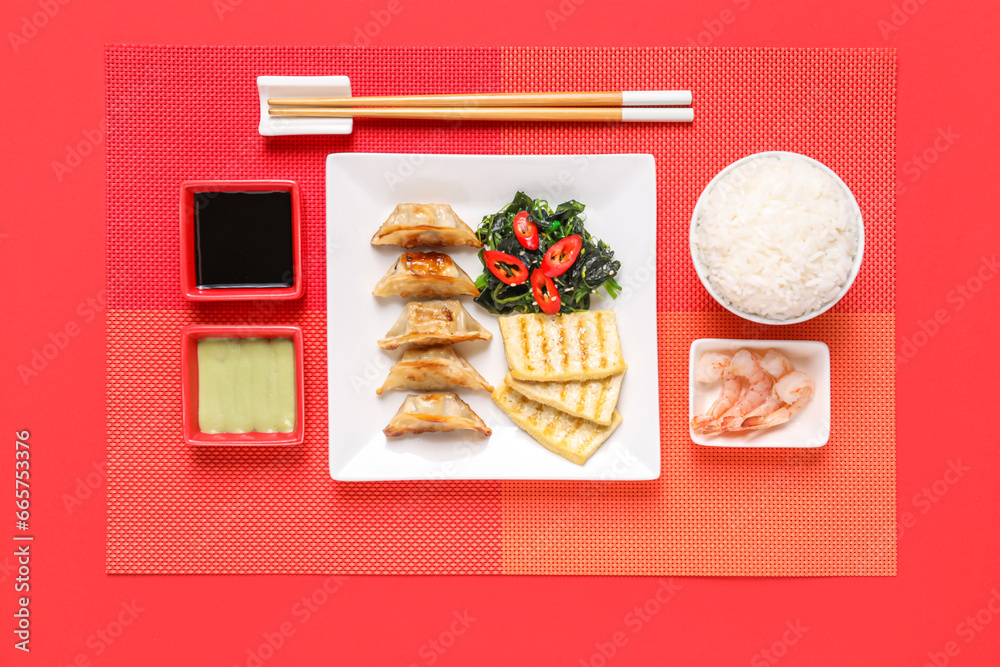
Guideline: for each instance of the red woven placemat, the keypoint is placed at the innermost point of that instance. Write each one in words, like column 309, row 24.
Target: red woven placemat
column 178, row 113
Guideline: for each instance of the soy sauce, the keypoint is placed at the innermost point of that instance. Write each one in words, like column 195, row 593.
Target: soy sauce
column 243, row 239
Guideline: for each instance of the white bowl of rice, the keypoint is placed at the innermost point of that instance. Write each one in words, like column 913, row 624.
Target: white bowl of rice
column 777, row 238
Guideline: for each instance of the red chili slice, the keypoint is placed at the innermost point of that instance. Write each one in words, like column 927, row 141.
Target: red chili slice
column 561, row 256
column 507, row 268
column 545, row 292
column 525, row 231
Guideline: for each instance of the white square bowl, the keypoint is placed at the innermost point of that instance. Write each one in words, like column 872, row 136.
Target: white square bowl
column 809, row 428
column 302, row 86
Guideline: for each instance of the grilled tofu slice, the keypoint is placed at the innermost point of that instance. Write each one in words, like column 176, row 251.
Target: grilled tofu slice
column 593, row 400
column 572, row 438
column 574, row 346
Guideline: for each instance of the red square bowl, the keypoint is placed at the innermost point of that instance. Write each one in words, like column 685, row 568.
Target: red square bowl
column 189, row 275
column 193, row 434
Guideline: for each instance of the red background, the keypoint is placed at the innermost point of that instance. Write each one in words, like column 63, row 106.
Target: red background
column 52, row 258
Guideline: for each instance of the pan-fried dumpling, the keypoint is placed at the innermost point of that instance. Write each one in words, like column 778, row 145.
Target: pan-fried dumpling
column 418, row 275
column 411, row 225
column 433, row 369
column 433, row 323
column 434, row 412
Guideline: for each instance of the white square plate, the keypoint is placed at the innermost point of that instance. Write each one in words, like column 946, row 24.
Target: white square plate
column 809, row 428
column 362, row 190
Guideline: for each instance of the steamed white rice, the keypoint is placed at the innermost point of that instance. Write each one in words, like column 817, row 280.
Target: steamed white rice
column 777, row 237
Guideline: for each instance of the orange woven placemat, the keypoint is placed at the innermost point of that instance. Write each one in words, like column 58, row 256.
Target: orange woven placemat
column 177, row 509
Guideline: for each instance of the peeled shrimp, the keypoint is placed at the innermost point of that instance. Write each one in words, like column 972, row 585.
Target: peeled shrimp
column 711, row 366
column 757, row 392
column 794, row 390
column 776, row 364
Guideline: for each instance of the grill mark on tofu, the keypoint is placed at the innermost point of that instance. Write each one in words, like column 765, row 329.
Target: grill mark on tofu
column 577, row 425
column 602, row 400
column 583, row 397
column 543, row 332
column 580, row 394
column 563, row 344
column 581, row 343
column 587, row 344
column 532, row 413
column 522, row 332
column 543, row 341
column 602, row 340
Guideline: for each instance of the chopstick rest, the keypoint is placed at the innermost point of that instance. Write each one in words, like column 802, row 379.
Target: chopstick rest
column 301, row 86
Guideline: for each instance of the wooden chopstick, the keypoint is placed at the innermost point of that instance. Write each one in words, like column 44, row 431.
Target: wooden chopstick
column 584, row 99
column 668, row 115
